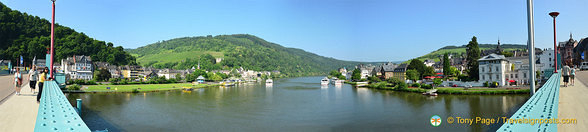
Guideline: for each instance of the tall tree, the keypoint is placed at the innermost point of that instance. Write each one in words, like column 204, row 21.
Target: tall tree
column 356, row 75
column 417, row 65
column 446, row 65
column 473, row 52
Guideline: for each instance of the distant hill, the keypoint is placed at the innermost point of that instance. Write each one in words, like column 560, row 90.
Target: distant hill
column 458, row 50
column 239, row 50
column 28, row 36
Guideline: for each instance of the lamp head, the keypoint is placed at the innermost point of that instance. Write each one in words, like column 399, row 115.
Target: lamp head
column 554, row 14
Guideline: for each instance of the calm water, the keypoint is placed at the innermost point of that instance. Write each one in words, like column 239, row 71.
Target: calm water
column 293, row 104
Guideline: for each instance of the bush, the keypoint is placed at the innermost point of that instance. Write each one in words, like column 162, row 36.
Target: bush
column 416, row 85
column 135, row 91
column 401, row 85
column 486, row 84
column 74, row 87
column 393, row 80
column 426, row 86
column 379, row 85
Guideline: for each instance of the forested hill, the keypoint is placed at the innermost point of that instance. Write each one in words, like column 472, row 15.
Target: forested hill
column 240, row 50
column 29, row 36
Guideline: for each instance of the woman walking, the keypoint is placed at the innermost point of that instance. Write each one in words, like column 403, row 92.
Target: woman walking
column 572, row 76
column 17, row 81
column 33, row 77
column 42, row 78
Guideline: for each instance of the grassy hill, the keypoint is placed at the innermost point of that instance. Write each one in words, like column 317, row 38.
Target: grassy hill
column 239, row 50
column 458, row 50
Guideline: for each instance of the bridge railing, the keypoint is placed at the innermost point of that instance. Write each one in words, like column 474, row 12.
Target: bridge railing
column 542, row 105
column 56, row 113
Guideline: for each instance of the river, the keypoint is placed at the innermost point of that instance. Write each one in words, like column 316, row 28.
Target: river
column 291, row 104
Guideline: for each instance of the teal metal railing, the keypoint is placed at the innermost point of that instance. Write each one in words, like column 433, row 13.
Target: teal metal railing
column 542, row 105
column 56, row 113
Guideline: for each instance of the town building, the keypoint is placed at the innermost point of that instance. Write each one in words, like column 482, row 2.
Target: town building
column 388, row 70
column 566, row 50
column 546, row 61
column 78, row 67
column 581, row 50
column 493, row 68
column 131, row 71
column 400, row 72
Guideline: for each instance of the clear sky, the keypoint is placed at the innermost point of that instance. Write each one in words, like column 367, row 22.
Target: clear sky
column 358, row 30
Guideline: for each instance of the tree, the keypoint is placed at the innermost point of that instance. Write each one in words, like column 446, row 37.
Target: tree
column 178, row 77
column 454, row 71
column 374, row 79
column 446, row 65
column 429, row 71
column 417, row 65
column 412, row 74
column 507, row 54
column 437, row 81
column 473, row 54
column 356, row 75
column 102, row 75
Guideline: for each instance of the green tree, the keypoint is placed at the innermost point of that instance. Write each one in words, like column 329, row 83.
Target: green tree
column 437, row 81
column 417, row 65
column 473, row 54
column 454, row 71
column 102, row 75
column 507, row 54
column 179, row 77
column 412, row 74
column 356, row 75
column 374, row 79
column 429, row 71
column 446, row 65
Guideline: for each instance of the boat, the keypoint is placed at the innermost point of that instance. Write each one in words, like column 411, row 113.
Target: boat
column 269, row 82
column 432, row 92
column 334, row 80
column 325, row 81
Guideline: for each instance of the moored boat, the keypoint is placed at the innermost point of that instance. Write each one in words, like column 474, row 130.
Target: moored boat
column 325, row 81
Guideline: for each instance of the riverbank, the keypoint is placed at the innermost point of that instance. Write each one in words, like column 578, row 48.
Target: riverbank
column 452, row 90
column 142, row 87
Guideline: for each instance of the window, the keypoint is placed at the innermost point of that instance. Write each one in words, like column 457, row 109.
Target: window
column 549, row 59
column 483, row 69
column 511, row 76
column 490, row 77
column 517, row 75
column 524, row 75
column 496, row 68
column 483, row 77
column 497, row 77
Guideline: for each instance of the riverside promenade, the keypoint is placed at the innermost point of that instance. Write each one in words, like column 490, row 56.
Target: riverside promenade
column 573, row 103
column 17, row 113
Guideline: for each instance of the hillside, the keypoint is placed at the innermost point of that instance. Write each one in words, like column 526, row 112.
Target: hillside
column 239, row 50
column 459, row 50
column 29, row 36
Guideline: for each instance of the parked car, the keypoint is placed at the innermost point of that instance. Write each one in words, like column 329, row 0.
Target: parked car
column 584, row 66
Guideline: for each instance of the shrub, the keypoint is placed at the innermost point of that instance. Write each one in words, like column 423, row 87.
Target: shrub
column 401, row 85
column 426, row 86
column 135, row 91
column 486, row 84
column 416, row 85
column 73, row 87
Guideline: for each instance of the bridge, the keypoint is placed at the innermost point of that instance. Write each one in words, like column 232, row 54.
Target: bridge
column 56, row 113
column 542, row 105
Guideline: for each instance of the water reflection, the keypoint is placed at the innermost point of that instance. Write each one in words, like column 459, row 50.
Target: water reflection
column 295, row 104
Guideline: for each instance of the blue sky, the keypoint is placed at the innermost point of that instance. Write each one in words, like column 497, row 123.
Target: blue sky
column 358, row 30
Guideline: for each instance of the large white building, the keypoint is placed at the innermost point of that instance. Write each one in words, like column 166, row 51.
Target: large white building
column 78, row 67
column 493, row 68
column 546, row 60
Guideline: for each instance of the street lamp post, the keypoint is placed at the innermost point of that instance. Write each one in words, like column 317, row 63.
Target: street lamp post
column 554, row 14
column 52, row 40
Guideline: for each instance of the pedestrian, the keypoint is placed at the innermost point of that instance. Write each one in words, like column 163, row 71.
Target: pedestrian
column 565, row 71
column 33, row 77
column 42, row 78
column 572, row 76
column 17, row 81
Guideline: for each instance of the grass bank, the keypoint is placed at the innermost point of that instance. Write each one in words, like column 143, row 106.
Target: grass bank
column 142, row 87
column 451, row 90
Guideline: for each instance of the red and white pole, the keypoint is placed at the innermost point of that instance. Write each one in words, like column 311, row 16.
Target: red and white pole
column 52, row 40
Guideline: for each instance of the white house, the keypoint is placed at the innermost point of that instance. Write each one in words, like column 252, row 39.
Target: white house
column 493, row 68
column 78, row 67
column 546, row 60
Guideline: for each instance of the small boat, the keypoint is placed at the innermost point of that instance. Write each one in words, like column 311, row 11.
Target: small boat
column 325, row 81
column 334, row 80
column 269, row 81
column 431, row 92
column 188, row 88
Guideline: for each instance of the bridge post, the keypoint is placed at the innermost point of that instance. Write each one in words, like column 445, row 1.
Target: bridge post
column 79, row 103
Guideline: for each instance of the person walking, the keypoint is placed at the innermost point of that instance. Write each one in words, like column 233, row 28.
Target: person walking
column 33, row 77
column 42, row 78
column 572, row 76
column 565, row 71
column 17, row 81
